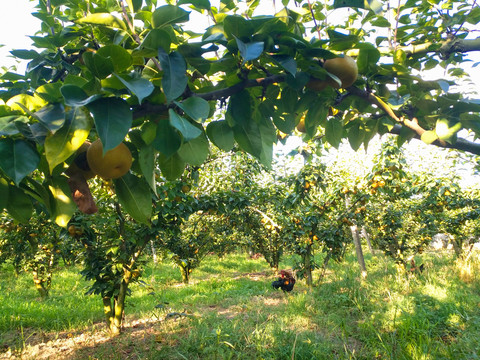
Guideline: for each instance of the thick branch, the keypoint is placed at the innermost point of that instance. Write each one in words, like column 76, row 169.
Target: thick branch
column 460, row 144
column 147, row 108
column 445, row 47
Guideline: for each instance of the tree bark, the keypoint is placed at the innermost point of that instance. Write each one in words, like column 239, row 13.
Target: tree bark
column 154, row 252
column 358, row 249
column 307, row 263
column 114, row 308
column 185, row 274
column 367, row 239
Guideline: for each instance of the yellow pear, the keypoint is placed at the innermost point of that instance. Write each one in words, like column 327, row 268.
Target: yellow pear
column 114, row 164
column 343, row 67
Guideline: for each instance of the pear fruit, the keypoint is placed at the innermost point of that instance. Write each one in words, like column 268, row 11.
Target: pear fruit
column 113, row 164
column 343, row 67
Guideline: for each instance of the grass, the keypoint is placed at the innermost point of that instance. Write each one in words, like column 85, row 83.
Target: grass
column 230, row 311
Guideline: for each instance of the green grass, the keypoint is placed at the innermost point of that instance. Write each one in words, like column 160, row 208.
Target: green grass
column 235, row 314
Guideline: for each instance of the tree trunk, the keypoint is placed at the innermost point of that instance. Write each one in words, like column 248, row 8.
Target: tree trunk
column 358, row 249
column 307, row 263
column 457, row 247
column 154, row 252
column 114, row 308
column 324, row 266
column 185, row 274
column 366, row 235
column 40, row 285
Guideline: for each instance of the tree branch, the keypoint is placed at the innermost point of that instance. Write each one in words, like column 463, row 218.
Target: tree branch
column 445, row 47
column 460, row 144
column 148, row 108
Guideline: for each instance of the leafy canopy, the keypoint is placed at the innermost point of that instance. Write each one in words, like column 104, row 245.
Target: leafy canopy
column 135, row 71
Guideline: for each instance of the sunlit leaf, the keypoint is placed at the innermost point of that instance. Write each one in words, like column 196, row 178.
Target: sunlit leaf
column 105, row 19
column 169, row 14
column 60, row 145
column 64, row 205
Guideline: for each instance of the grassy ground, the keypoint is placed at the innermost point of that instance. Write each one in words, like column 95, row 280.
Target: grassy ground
column 230, row 311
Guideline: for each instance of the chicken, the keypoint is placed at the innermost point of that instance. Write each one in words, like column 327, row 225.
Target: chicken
column 286, row 281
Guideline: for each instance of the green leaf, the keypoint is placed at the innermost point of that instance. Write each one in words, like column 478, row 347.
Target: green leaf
column 75, row 96
column 250, row 51
column 52, row 116
column 26, row 103
column 195, row 107
column 104, row 19
column 172, row 167
column 169, row 14
column 195, row 152
column 429, row 136
column 100, row 66
column 3, row 193
column 146, row 158
column 367, row 58
column 50, row 92
column 135, row 197
column 37, row 191
column 120, row 58
column 65, row 207
column 221, row 134
column 7, row 124
column 148, row 132
column 64, row 142
column 334, row 132
column 17, row 159
column 188, row 130
column 19, row 205
column 175, row 78
column 113, row 119
column 236, row 26
column 249, row 138
column 198, row 4
column 167, row 139
column 134, row 5
column 287, row 62
column 157, row 38
column 139, row 87
column 381, row 22
column 374, row 5
column 240, row 107
column 25, row 54
column 356, row 136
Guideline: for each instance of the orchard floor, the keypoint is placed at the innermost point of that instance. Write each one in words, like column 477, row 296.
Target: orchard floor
column 230, row 311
